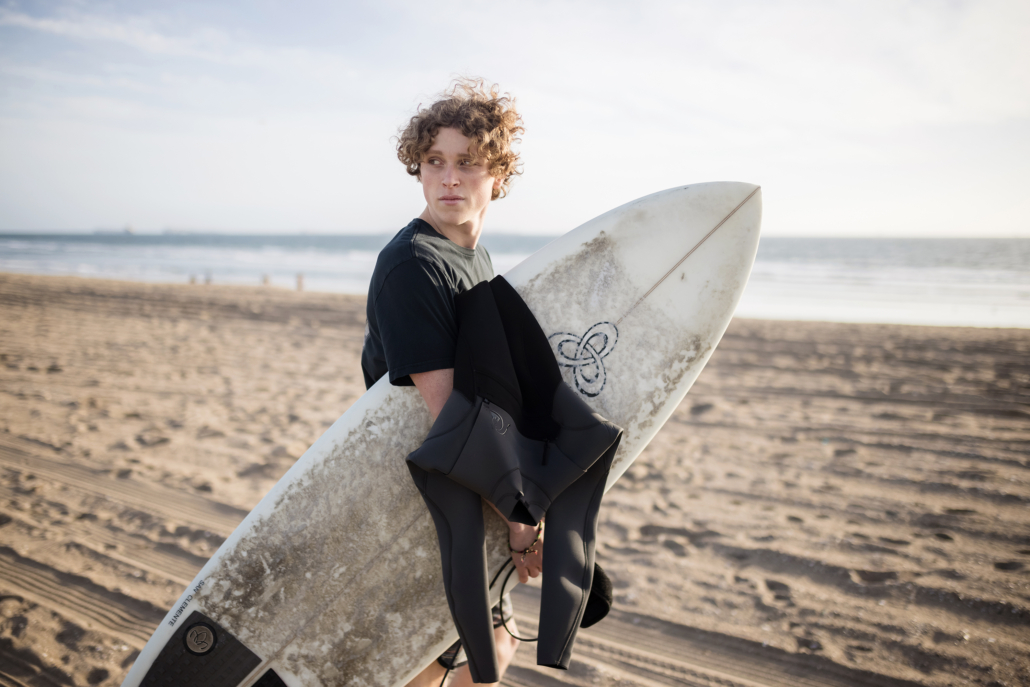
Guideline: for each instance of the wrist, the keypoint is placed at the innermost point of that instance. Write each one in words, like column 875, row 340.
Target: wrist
column 535, row 532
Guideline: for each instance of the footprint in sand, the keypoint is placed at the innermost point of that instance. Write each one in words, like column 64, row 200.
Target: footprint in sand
column 70, row 635
column 257, row 470
column 1008, row 566
column 150, row 438
column 700, row 408
column 873, row 576
column 675, row 547
column 779, row 590
column 808, row 643
column 894, row 542
column 207, row 432
column 97, row 675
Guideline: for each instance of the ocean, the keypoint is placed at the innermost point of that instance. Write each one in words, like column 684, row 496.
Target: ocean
column 960, row 282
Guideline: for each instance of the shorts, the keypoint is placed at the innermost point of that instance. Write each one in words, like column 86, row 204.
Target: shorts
column 454, row 657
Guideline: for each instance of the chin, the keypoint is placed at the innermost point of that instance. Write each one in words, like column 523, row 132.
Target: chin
column 453, row 217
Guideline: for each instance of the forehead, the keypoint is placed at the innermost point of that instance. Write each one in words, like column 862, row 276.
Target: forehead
column 450, row 141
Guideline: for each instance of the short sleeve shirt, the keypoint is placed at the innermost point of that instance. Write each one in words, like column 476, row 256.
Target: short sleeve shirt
column 411, row 325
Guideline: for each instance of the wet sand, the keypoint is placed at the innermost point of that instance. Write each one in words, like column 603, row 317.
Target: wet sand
column 832, row 504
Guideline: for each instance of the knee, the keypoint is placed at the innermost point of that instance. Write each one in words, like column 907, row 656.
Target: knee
column 506, row 646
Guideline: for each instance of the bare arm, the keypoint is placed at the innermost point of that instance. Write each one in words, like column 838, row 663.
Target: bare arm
column 435, row 387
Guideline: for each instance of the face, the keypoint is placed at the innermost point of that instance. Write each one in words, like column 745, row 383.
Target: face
column 457, row 187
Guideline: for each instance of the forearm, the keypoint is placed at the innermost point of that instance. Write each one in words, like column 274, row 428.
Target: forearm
column 435, row 387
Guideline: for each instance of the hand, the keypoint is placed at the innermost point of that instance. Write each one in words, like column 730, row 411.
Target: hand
column 520, row 537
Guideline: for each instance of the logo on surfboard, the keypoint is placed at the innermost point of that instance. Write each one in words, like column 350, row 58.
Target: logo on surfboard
column 200, row 639
column 585, row 355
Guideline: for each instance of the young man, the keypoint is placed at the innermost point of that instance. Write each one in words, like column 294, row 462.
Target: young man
column 460, row 149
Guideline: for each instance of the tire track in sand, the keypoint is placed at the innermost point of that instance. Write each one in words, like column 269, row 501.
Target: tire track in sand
column 636, row 649
column 174, row 505
column 74, row 597
column 159, row 558
column 79, row 599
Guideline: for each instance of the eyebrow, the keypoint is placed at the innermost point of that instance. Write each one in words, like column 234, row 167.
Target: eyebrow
column 440, row 152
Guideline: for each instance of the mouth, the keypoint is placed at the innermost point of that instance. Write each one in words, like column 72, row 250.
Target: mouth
column 450, row 200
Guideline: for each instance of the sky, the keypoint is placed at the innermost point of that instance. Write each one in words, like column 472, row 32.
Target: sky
column 860, row 118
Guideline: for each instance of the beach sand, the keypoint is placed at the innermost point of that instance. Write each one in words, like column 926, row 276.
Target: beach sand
column 832, row 504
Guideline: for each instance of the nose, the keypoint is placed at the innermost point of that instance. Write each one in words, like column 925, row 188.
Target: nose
column 450, row 176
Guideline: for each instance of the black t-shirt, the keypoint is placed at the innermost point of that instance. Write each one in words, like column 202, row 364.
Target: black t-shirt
column 410, row 311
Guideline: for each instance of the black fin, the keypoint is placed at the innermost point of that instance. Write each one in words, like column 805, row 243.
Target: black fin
column 600, row 601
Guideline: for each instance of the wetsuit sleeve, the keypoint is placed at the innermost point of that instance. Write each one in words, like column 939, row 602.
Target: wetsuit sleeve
column 415, row 313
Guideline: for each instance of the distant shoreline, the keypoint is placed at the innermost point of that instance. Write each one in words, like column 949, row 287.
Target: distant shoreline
column 937, row 282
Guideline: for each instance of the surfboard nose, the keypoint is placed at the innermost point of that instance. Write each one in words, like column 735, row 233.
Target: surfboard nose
column 677, row 247
column 725, row 215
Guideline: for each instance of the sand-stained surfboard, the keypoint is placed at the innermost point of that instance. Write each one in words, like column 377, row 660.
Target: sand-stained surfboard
column 334, row 578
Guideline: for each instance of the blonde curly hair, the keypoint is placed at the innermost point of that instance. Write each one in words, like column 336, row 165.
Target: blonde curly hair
column 483, row 115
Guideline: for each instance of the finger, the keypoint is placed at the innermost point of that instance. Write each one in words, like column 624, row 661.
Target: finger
column 523, row 575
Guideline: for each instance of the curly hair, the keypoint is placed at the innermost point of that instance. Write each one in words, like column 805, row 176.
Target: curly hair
column 483, row 115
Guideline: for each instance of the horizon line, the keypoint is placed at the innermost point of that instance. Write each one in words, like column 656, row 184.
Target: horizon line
column 493, row 232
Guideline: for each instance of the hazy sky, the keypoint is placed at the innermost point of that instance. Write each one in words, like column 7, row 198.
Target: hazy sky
column 857, row 118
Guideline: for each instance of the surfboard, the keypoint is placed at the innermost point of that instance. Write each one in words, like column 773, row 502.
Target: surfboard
column 335, row 576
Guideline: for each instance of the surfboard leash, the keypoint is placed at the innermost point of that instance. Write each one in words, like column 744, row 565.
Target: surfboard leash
column 504, row 621
column 689, row 253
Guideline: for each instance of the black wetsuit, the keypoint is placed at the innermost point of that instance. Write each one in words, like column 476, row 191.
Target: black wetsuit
column 514, row 433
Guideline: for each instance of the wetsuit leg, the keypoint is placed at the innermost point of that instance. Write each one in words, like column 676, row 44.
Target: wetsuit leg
column 458, row 515
column 569, row 562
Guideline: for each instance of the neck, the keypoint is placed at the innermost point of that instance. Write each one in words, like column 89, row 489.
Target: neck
column 465, row 235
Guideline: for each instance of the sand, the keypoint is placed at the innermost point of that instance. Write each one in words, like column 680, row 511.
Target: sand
column 832, row 504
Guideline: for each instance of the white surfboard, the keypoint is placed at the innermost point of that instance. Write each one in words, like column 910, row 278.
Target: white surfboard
column 335, row 579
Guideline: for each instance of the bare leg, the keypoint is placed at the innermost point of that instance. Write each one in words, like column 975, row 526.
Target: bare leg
column 430, row 677
column 462, row 677
column 506, row 647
